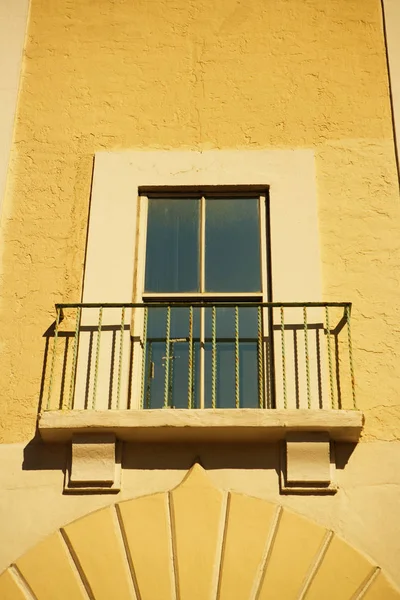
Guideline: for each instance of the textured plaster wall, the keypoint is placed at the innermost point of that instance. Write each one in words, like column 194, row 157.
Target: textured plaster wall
column 197, row 75
column 391, row 11
column 13, row 21
column 363, row 511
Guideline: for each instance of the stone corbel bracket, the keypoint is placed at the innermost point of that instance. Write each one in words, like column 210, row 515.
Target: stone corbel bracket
column 94, row 464
column 307, row 464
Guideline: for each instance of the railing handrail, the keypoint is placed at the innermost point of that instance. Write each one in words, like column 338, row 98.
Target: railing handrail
column 303, row 368
column 207, row 302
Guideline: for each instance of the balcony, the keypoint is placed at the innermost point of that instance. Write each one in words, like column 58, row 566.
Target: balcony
column 200, row 371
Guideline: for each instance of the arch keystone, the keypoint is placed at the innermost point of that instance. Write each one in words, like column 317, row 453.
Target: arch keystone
column 197, row 478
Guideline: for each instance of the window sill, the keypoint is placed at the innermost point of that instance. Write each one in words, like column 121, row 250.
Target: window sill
column 220, row 425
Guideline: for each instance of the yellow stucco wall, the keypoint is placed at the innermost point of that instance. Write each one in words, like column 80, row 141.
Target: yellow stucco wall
column 201, row 543
column 199, row 74
column 361, row 514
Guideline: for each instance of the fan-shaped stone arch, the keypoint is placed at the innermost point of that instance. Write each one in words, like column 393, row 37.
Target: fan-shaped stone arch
column 194, row 543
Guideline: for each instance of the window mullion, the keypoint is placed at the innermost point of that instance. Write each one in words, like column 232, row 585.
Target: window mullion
column 202, row 290
column 202, row 244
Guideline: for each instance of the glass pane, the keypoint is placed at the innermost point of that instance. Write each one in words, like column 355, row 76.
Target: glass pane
column 172, row 252
column 232, row 245
column 177, row 378
column 225, row 367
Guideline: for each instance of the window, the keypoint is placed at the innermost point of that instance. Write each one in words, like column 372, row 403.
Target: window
column 208, row 250
column 116, row 254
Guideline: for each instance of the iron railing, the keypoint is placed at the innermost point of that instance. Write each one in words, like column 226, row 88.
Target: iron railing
column 200, row 355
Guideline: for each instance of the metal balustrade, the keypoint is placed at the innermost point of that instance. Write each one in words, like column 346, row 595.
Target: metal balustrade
column 205, row 355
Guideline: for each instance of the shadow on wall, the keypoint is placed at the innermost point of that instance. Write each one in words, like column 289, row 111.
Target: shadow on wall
column 59, row 365
column 151, row 456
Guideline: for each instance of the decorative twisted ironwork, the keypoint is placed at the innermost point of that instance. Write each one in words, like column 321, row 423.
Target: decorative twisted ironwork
column 237, row 382
column 350, row 345
column 91, row 372
column 121, row 350
column 74, row 359
column 214, row 358
column 144, row 350
column 330, row 362
column 190, row 359
column 283, row 358
column 307, row 357
column 149, row 376
column 167, row 357
column 53, row 360
column 260, row 359
column 96, row 364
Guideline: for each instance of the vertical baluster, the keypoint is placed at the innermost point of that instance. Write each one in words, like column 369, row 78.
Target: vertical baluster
column 283, row 358
column 144, row 351
column 353, row 383
column 330, row 363
column 260, row 354
column 202, row 357
column 194, row 377
column 96, row 366
column 167, row 355
column 150, row 375
column 190, row 360
column 121, row 350
column 74, row 359
column 171, row 374
column 214, row 358
column 237, row 382
column 53, row 359
column 307, row 357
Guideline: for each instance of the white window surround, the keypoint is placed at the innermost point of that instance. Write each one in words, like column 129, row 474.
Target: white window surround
column 289, row 174
column 116, row 238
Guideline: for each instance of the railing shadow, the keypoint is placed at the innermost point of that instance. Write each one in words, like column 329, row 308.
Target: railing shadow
column 314, row 333
column 49, row 335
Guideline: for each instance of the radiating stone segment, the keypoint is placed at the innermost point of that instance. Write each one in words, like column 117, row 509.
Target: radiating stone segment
column 295, row 547
column 148, row 533
column 197, row 512
column 248, row 525
column 96, row 542
column 50, row 557
column 198, row 517
column 9, row 589
column 340, row 574
column 381, row 589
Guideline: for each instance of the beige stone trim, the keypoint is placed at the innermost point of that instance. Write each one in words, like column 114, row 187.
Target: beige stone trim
column 307, row 463
column 124, row 552
column 361, row 511
column 115, row 252
column 95, row 464
column 200, row 425
column 308, row 457
column 290, row 175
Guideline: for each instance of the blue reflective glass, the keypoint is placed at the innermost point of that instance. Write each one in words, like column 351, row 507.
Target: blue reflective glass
column 232, row 249
column 177, row 379
column 172, row 250
column 225, row 367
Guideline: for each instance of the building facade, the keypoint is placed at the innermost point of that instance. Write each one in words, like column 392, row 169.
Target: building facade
column 199, row 299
